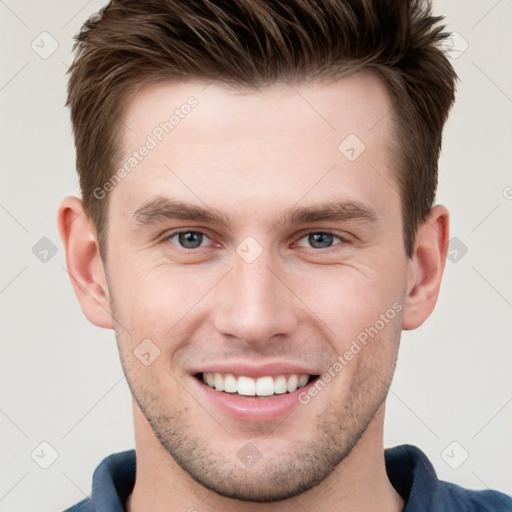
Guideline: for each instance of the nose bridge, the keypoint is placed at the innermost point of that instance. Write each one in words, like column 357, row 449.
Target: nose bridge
column 254, row 304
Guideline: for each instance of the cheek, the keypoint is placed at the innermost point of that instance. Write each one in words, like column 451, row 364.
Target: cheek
column 154, row 302
column 158, row 301
column 347, row 299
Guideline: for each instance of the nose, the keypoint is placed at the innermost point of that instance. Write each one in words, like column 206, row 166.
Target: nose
column 254, row 302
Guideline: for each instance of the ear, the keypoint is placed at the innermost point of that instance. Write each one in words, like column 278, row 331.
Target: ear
column 425, row 268
column 84, row 263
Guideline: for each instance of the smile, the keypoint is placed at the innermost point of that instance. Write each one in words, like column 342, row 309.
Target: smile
column 264, row 386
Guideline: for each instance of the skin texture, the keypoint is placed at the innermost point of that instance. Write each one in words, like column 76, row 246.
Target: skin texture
column 253, row 156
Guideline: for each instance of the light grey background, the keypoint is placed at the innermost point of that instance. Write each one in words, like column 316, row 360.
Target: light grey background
column 61, row 380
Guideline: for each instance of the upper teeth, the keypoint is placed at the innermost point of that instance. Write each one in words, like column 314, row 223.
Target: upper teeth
column 263, row 386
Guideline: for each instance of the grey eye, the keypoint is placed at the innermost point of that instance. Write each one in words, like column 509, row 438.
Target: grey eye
column 320, row 240
column 189, row 239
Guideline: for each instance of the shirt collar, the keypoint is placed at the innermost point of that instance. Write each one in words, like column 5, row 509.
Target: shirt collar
column 408, row 468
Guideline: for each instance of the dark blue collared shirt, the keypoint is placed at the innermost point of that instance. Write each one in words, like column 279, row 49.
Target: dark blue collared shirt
column 408, row 469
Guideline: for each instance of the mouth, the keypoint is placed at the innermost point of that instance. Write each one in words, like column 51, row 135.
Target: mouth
column 250, row 393
column 264, row 387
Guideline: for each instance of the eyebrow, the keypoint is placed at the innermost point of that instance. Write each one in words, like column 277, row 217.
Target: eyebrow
column 160, row 209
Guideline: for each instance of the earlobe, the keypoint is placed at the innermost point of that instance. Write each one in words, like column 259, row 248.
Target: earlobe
column 84, row 263
column 426, row 268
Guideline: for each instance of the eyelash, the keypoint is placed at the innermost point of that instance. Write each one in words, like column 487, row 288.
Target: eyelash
column 342, row 240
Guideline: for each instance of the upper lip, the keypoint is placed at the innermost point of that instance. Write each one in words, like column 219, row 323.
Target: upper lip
column 252, row 370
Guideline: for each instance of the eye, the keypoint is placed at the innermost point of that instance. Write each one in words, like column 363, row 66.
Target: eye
column 321, row 239
column 187, row 239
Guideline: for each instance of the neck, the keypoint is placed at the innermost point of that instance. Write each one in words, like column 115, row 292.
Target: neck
column 359, row 482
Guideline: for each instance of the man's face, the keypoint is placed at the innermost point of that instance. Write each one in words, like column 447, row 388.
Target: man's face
column 269, row 294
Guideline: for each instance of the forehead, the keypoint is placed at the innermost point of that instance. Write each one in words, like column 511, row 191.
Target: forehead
column 354, row 104
column 271, row 145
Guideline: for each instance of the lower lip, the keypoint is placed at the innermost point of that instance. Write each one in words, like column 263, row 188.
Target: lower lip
column 253, row 409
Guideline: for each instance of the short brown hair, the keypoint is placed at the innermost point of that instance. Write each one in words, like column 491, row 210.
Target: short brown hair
column 251, row 43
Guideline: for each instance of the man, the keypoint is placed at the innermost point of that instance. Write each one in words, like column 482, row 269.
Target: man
column 258, row 226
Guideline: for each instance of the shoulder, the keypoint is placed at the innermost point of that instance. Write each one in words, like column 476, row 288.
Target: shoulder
column 82, row 506
column 414, row 478
column 112, row 482
column 468, row 500
column 453, row 498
